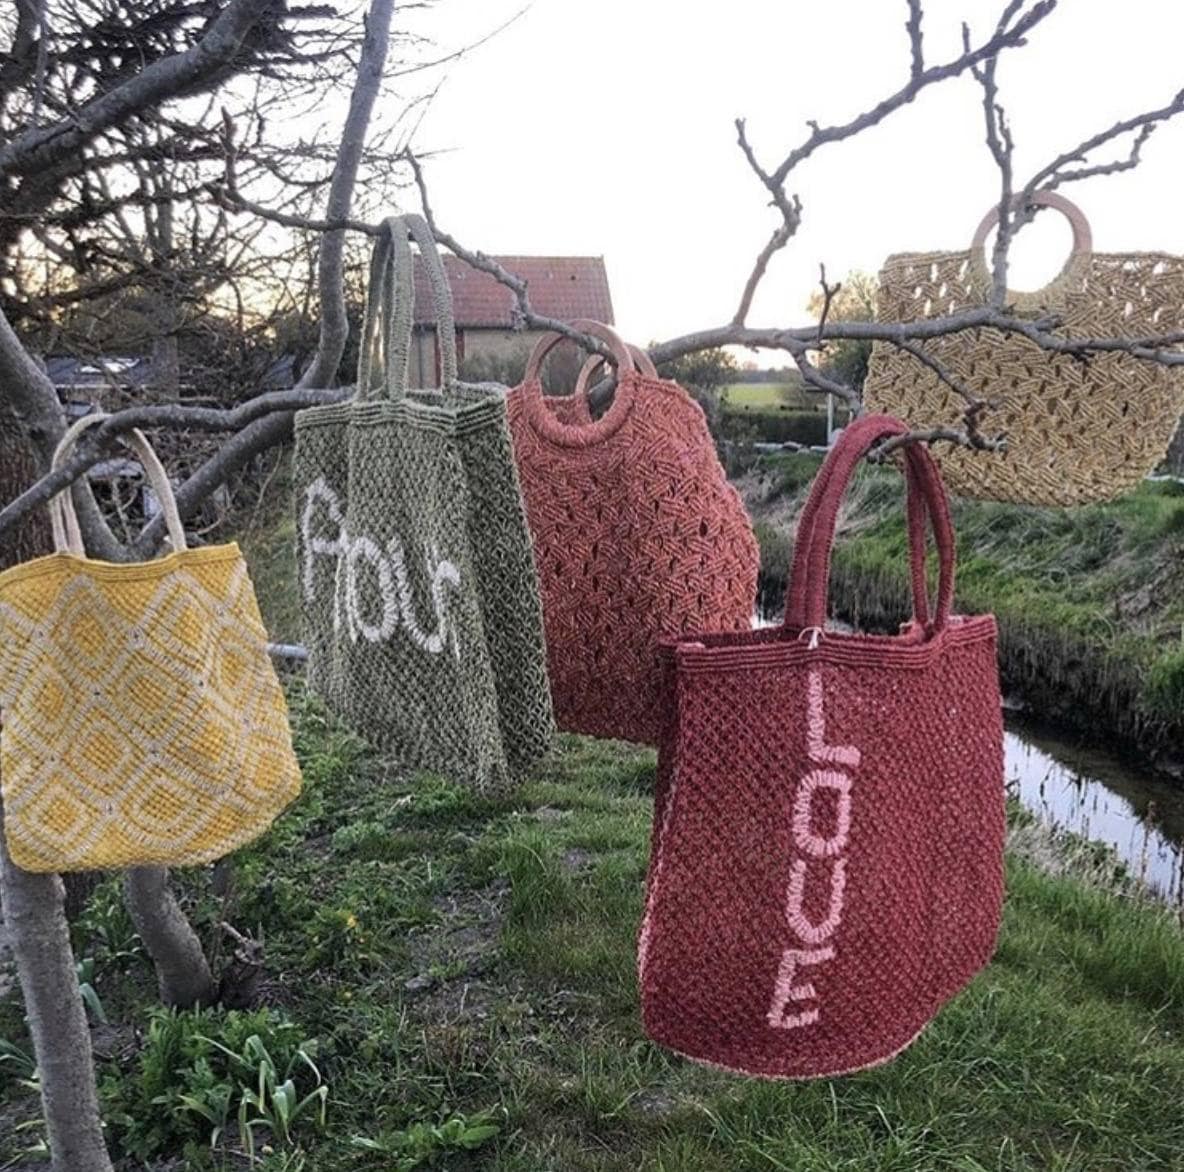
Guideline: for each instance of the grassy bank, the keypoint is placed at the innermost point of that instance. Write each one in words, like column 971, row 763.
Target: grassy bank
column 460, row 973
column 1090, row 601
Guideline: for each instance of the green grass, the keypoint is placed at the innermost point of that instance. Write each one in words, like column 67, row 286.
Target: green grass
column 763, row 396
column 783, row 396
column 465, row 968
column 462, row 971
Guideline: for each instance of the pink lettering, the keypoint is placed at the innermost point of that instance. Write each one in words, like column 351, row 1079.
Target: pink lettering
column 799, row 922
column 818, row 848
column 786, row 991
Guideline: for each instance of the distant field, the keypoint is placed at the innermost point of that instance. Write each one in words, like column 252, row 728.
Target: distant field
column 770, row 397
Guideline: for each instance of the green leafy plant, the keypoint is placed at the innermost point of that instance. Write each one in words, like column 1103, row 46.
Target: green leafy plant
column 336, row 934
column 272, row 1101
column 90, row 998
column 421, row 1143
column 105, row 930
column 17, row 1063
column 201, row 1069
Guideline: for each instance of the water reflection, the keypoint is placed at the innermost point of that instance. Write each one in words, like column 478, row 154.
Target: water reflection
column 1098, row 795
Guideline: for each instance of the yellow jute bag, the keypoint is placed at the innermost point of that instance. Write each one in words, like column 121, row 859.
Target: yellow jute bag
column 143, row 722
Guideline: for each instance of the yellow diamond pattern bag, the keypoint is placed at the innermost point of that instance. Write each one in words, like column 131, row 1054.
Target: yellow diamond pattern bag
column 143, row 722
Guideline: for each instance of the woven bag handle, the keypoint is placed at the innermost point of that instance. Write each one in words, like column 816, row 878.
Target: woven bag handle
column 386, row 325
column 641, row 363
column 67, row 535
column 918, row 516
column 441, row 299
column 548, row 342
column 578, row 434
column 809, row 579
column 796, row 605
column 1082, row 234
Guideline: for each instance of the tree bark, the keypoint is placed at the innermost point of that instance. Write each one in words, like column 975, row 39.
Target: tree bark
column 1175, row 456
column 40, row 942
column 182, row 972
column 36, row 922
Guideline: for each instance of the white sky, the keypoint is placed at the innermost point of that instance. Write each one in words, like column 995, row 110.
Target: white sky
column 606, row 129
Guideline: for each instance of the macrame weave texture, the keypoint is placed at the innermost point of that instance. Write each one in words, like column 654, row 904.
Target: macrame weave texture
column 1077, row 431
column 826, row 869
column 419, row 592
column 637, row 535
column 143, row 721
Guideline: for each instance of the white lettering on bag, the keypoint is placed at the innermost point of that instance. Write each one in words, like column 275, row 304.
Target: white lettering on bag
column 372, row 592
column 822, row 863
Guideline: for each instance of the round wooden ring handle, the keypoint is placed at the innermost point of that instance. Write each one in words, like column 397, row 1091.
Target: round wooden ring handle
column 549, row 341
column 641, row 362
column 1082, row 236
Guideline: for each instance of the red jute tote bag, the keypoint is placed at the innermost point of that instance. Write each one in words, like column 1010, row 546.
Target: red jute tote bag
column 637, row 535
column 827, row 858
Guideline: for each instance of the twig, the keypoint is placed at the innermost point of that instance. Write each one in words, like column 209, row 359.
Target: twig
column 913, row 26
column 931, row 435
column 95, row 445
column 829, row 292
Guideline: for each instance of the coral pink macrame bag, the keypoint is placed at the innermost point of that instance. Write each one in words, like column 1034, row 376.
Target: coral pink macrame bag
column 827, row 855
column 637, row 535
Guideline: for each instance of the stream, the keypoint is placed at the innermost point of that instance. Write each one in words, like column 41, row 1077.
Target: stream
column 1102, row 797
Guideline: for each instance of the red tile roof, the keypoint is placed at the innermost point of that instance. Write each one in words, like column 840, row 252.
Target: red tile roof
column 564, row 287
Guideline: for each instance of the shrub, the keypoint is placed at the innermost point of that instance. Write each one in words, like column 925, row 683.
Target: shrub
column 774, row 427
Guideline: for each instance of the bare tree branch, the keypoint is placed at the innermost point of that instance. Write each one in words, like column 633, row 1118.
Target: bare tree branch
column 1006, row 37
column 95, row 445
column 1055, row 175
column 913, row 27
column 1011, row 30
column 828, row 295
column 950, row 435
column 41, row 147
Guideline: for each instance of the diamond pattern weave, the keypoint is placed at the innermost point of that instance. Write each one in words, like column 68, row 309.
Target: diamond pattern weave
column 143, row 721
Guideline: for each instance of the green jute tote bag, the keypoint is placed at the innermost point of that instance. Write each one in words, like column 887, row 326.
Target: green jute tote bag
column 418, row 585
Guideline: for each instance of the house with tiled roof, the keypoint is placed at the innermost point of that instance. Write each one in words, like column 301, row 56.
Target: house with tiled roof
column 563, row 287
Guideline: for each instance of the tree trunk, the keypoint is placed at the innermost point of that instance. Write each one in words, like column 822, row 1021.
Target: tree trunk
column 182, row 972
column 61, row 1041
column 1175, row 457
column 36, row 922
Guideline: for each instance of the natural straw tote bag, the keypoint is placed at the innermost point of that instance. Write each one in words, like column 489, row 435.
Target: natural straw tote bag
column 827, row 853
column 637, row 535
column 1077, row 431
column 419, row 591
column 143, row 721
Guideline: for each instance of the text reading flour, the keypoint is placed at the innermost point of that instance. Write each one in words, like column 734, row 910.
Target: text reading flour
column 392, row 604
column 821, row 861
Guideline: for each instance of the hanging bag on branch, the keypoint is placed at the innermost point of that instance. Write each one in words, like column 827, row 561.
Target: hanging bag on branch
column 1078, row 430
column 419, row 592
column 637, row 534
column 827, row 862
column 143, row 720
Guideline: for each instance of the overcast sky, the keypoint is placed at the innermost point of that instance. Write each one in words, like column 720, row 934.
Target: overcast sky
column 606, row 129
